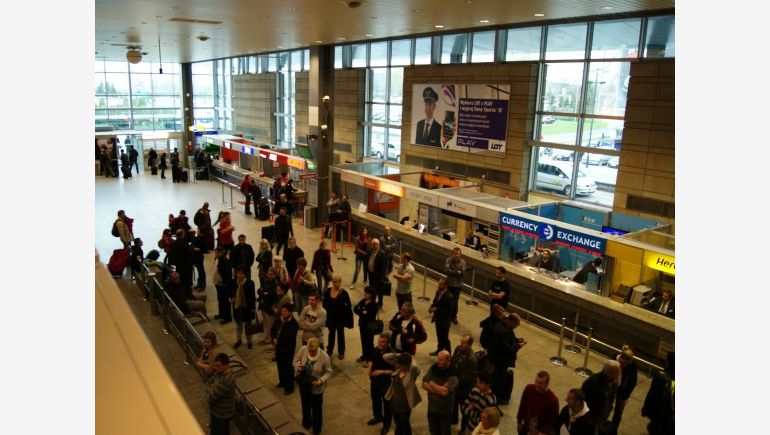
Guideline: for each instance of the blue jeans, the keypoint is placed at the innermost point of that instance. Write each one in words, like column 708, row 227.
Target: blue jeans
column 361, row 261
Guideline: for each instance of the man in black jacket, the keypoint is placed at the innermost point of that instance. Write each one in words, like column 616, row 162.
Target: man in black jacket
column 180, row 256
column 242, row 255
column 223, row 281
column 284, row 333
column 600, row 389
column 283, row 230
column 441, row 310
column 503, row 349
column 376, row 266
column 182, row 295
column 202, row 220
column 199, row 246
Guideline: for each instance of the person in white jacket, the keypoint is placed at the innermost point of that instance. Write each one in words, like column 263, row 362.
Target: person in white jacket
column 490, row 419
column 316, row 362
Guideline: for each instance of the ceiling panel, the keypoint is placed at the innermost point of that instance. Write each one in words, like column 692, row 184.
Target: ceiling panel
column 253, row 26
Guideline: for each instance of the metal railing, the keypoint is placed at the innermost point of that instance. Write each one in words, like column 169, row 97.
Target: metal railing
column 248, row 418
column 589, row 339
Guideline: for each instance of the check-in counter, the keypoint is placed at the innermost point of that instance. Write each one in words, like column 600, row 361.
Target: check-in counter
column 613, row 323
column 234, row 174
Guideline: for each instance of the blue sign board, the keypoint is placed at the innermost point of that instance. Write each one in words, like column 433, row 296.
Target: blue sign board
column 554, row 234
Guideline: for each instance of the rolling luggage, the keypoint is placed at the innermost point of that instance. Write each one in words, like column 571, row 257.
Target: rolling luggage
column 118, row 262
column 268, row 233
column 263, row 212
column 183, row 176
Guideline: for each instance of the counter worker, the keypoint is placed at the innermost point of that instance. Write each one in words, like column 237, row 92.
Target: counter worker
column 472, row 240
column 591, row 267
column 547, row 261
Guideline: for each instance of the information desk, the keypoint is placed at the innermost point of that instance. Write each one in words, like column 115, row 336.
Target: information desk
column 613, row 323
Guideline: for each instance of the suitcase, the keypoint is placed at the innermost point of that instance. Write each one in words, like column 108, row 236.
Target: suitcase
column 154, row 170
column 263, row 212
column 118, row 262
column 183, row 177
column 268, row 233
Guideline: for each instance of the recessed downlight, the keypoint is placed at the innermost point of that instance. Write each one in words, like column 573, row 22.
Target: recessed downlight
column 606, row 8
column 439, row 26
column 318, row 42
column 483, row 21
column 369, row 35
column 539, row 15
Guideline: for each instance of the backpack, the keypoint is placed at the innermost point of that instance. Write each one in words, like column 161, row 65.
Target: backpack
column 115, row 231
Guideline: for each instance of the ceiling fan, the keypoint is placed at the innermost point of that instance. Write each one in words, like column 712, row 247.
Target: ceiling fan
column 134, row 53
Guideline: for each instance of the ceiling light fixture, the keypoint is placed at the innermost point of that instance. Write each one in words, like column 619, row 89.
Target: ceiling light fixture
column 539, row 15
column 483, row 21
column 369, row 35
column 134, row 54
column 439, row 26
column 606, row 8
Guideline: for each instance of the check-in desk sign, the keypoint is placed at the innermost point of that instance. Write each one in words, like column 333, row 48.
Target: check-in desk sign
column 554, row 234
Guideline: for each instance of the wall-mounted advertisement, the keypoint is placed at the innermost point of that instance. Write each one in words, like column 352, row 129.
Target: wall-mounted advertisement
column 471, row 118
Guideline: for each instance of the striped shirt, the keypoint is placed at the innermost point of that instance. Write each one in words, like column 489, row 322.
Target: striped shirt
column 221, row 395
column 480, row 402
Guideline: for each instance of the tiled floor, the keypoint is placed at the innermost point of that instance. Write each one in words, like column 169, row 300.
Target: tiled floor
column 347, row 406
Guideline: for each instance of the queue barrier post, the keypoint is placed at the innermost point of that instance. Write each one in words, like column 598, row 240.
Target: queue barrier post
column 585, row 371
column 472, row 300
column 231, row 198
column 424, row 283
column 223, row 195
column 558, row 360
column 573, row 348
column 342, row 249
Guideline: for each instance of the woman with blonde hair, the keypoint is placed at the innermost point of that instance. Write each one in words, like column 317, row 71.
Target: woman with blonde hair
column 312, row 368
column 627, row 383
column 264, row 259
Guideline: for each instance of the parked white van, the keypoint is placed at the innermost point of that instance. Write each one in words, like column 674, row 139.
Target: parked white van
column 557, row 176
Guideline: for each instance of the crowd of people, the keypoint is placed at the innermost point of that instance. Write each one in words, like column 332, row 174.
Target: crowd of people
column 292, row 297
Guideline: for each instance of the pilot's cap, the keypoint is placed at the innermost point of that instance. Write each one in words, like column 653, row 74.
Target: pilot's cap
column 429, row 95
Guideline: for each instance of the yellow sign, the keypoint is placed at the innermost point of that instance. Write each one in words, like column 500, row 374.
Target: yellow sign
column 296, row 163
column 391, row 189
column 663, row 263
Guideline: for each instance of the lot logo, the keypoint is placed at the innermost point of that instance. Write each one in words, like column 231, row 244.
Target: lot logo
column 546, row 232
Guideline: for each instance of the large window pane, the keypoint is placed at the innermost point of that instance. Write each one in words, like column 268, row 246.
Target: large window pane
column 121, row 67
column 305, row 60
column 142, row 67
column 559, row 129
column 378, row 113
column 202, row 68
column 378, row 54
column 337, row 57
column 203, row 85
column 359, row 55
column 422, row 50
column 396, row 85
column 100, row 86
column 141, row 101
column 483, row 47
column 205, row 117
column 401, row 52
column 607, row 88
column 117, row 84
column 660, row 37
column 141, row 84
column 165, row 84
column 616, row 39
column 203, row 101
column 379, row 86
column 454, row 48
column 99, row 66
column 523, row 44
column 377, row 142
column 395, row 114
column 562, row 87
column 118, row 102
column 394, row 144
column 296, row 60
column 162, row 102
column 566, row 41
column 605, row 134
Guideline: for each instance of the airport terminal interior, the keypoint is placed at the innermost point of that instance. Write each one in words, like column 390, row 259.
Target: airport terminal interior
column 537, row 140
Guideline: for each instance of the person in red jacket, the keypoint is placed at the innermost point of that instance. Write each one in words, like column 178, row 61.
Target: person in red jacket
column 246, row 191
column 538, row 407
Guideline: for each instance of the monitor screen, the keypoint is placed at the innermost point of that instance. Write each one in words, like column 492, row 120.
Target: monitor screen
column 304, row 151
column 421, row 228
column 446, row 236
column 613, row 231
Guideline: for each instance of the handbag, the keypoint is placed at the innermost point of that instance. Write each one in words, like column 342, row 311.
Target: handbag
column 304, row 378
column 375, row 327
column 420, row 334
column 385, row 287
